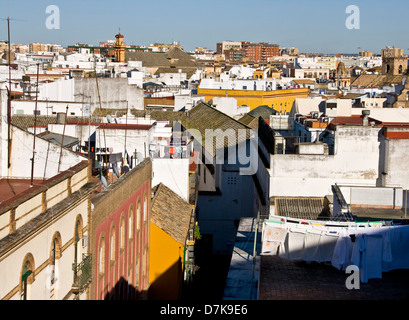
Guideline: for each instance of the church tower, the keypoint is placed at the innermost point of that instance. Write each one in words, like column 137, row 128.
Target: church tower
column 342, row 76
column 119, row 48
column 394, row 63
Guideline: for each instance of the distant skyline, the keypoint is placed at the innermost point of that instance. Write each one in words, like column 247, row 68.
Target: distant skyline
column 311, row 26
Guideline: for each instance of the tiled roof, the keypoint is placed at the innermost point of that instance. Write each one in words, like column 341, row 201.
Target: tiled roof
column 148, row 59
column 26, row 121
column 376, row 80
column 203, row 117
column 174, row 57
column 171, row 213
column 262, row 111
column 300, row 208
column 249, row 121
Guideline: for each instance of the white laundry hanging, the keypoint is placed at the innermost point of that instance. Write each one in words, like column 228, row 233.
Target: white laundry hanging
column 273, row 237
column 374, row 247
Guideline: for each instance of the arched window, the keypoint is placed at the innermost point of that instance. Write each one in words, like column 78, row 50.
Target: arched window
column 77, row 238
column 101, row 255
column 138, row 215
column 145, row 208
column 130, row 223
column 55, row 255
column 388, row 68
column 122, row 233
column 27, row 276
column 400, row 69
column 112, row 244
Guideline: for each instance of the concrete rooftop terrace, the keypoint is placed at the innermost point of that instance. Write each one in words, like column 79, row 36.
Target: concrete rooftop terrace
column 12, row 187
column 282, row 279
column 270, row 277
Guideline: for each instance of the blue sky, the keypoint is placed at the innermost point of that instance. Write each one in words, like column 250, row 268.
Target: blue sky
column 311, row 26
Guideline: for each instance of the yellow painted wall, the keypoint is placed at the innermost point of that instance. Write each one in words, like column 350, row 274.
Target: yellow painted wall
column 280, row 100
column 165, row 265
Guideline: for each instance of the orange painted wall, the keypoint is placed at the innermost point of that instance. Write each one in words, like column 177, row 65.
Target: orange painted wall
column 166, row 265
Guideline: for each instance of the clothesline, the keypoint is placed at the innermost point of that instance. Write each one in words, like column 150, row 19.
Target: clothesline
column 374, row 247
column 326, row 223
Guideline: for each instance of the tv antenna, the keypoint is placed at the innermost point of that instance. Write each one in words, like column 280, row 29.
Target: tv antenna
column 9, row 90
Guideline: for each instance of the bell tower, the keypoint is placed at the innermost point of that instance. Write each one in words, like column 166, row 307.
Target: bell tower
column 119, row 48
column 394, row 63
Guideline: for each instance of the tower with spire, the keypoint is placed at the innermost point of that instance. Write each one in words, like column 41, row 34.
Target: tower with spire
column 119, row 48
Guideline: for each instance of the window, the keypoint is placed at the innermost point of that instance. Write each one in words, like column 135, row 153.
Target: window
column 55, row 255
column 122, row 234
column 112, row 245
column 138, row 215
column 101, row 256
column 27, row 276
column 130, row 223
column 53, row 261
column 232, row 180
column 145, row 208
column 77, row 238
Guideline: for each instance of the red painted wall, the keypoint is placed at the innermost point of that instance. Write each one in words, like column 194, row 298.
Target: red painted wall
column 125, row 260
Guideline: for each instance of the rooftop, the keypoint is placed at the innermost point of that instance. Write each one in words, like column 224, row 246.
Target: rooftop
column 171, row 213
column 300, row 208
column 371, row 213
column 12, row 187
column 203, row 117
column 376, row 80
column 282, row 279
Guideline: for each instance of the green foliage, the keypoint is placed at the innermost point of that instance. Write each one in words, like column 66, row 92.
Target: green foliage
column 197, row 234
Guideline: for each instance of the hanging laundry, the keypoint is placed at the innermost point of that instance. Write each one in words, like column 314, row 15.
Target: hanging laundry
column 328, row 240
column 386, row 248
column 273, row 237
column 341, row 257
column 374, row 247
column 311, row 244
column 373, row 256
column 296, row 244
column 293, row 246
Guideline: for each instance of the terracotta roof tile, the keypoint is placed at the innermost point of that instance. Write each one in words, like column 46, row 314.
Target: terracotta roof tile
column 171, row 213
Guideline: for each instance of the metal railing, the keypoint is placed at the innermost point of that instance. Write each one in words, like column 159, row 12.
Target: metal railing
column 82, row 272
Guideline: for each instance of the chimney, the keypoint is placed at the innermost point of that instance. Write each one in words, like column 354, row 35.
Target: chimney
column 365, row 115
column 61, row 118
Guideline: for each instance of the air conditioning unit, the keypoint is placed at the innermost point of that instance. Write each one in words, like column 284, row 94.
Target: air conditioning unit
column 85, row 241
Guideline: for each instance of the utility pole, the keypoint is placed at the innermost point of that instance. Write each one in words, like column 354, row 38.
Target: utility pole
column 126, row 127
column 9, row 96
column 35, row 125
column 9, row 92
column 62, row 141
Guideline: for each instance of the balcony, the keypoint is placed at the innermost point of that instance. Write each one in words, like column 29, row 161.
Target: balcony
column 82, row 273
